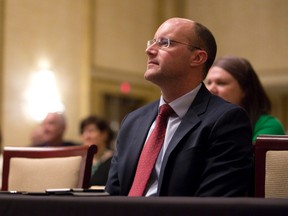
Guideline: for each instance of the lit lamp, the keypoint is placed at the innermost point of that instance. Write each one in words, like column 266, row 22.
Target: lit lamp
column 43, row 96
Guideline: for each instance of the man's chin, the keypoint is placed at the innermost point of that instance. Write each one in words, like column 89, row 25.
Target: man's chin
column 152, row 77
column 149, row 74
column 147, row 77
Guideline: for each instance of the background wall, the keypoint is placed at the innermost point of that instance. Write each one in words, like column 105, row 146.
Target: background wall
column 256, row 30
column 42, row 35
column 93, row 46
column 1, row 63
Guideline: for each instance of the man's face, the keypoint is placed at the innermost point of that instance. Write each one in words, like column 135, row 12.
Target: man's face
column 53, row 127
column 165, row 64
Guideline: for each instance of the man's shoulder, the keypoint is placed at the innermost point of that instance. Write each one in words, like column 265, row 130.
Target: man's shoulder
column 64, row 143
column 220, row 106
column 70, row 143
column 205, row 101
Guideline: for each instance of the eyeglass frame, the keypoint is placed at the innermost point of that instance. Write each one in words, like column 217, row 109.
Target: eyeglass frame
column 158, row 40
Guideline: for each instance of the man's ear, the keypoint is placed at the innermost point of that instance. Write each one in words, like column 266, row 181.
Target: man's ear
column 199, row 58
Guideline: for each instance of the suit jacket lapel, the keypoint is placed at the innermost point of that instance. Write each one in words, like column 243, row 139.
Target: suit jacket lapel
column 189, row 121
column 143, row 125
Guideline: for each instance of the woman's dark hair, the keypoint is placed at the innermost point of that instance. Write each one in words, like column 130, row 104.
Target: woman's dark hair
column 100, row 124
column 255, row 101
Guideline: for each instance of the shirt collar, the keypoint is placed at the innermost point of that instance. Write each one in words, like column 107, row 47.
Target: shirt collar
column 182, row 104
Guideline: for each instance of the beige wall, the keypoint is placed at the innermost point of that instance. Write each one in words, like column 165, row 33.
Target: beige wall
column 94, row 45
column 256, row 30
column 53, row 31
column 1, row 62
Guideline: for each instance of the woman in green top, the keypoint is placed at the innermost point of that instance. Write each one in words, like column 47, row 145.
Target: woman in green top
column 235, row 80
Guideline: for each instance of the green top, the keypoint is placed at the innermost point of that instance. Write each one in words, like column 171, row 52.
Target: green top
column 268, row 124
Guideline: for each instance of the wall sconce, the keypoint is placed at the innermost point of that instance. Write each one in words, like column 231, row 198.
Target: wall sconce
column 42, row 95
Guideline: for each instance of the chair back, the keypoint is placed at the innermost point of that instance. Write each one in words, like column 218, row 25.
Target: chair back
column 271, row 166
column 39, row 168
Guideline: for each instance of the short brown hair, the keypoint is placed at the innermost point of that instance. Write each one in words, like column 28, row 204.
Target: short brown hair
column 206, row 41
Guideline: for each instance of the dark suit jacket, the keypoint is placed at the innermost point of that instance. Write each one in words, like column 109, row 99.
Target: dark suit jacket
column 210, row 153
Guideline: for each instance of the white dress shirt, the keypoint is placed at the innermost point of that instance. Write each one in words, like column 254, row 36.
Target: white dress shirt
column 180, row 106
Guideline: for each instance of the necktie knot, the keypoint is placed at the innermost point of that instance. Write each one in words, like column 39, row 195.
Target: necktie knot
column 165, row 111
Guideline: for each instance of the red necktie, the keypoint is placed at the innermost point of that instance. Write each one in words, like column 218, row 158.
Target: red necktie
column 150, row 152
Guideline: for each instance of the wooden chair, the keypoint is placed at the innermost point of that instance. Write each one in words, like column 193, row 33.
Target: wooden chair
column 271, row 166
column 39, row 168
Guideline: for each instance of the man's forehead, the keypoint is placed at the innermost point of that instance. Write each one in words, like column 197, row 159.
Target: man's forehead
column 175, row 28
column 53, row 117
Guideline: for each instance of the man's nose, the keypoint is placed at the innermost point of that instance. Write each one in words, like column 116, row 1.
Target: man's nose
column 152, row 49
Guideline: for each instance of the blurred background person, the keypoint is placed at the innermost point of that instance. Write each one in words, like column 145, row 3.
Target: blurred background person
column 54, row 126
column 95, row 130
column 235, row 80
column 37, row 136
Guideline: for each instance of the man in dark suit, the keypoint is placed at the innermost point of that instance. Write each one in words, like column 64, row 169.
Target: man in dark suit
column 207, row 149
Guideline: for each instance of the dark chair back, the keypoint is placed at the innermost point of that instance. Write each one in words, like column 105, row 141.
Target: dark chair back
column 271, row 166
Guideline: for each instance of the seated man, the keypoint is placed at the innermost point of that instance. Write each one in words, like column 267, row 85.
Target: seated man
column 53, row 128
column 199, row 144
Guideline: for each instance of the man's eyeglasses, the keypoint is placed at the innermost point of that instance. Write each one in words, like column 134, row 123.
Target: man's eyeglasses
column 166, row 42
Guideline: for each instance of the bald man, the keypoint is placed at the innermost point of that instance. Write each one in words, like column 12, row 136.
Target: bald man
column 52, row 131
column 207, row 149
